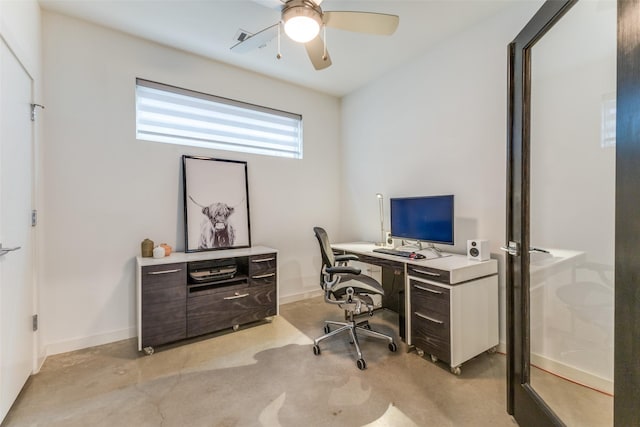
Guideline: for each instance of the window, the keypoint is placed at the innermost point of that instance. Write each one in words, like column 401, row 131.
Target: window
column 608, row 129
column 180, row 116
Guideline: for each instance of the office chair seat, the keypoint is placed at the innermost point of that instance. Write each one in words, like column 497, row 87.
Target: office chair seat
column 360, row 284
column 345, row 287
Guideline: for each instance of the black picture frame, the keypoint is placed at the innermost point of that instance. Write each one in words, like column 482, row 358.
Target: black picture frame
column 216, row 204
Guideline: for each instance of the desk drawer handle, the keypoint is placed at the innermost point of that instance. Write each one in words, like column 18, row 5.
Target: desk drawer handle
column 427, row 289
column 263, row 260
column 165, row 271
column 430, row 319
column 262, row 276
column 428, row 273
column 236, row 296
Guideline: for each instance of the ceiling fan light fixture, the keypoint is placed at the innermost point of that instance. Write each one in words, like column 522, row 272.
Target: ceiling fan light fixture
column 301, row 23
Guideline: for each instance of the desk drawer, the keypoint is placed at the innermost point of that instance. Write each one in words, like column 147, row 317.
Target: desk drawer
column 429, row 298
column 429, row 273
column 430, row 319
column 431, row 334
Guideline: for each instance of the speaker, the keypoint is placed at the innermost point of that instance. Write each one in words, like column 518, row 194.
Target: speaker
column 478, row 250
column 388, row 241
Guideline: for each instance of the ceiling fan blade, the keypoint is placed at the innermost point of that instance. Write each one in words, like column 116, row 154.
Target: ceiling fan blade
column 315, row 50
column 271, row 4
column 256, row 40
column 362, row 22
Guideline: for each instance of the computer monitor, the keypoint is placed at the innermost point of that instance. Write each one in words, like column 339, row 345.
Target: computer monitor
column 425, row 219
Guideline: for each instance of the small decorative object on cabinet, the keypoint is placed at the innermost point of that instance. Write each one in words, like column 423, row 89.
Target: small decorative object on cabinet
column 158, row 252
column 167, row 249
column 187, row 295
column 146, row 248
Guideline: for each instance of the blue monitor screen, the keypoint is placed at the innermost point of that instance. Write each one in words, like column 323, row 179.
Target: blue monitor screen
column 428, row 219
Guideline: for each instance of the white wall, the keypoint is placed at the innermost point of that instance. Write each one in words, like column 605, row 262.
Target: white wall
column 20, row 28
column 105, row 191
column 436, row 126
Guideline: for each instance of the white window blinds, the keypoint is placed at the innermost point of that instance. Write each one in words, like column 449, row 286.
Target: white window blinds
column 180, row 116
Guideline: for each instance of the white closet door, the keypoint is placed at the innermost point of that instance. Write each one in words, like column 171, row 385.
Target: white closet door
column 16, row 267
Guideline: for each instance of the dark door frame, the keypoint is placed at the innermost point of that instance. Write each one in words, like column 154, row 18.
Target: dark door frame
column 626, row 411
column 521, row 399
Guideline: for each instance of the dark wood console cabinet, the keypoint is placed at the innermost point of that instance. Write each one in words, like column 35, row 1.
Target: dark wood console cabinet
column 170, row 308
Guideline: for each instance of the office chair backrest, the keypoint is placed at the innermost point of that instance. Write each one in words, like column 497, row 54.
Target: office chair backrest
column 328, row 259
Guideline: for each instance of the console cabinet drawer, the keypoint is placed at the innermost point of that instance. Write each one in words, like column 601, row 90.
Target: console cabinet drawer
column 164, row 296
column 228, row 307
column 262, row 269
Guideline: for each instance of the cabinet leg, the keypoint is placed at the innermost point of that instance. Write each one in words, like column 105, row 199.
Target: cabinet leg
column 148, row 351
column 493, row 350
column 456, row 370
column 236, row 327
column 434, row 359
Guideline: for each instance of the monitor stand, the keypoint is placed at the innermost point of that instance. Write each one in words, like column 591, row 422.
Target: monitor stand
column 437, row 253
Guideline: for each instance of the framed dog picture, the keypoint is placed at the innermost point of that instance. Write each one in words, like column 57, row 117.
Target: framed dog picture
column 216, row 204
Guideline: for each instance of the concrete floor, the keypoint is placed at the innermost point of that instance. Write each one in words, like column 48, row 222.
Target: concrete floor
column 264, row 375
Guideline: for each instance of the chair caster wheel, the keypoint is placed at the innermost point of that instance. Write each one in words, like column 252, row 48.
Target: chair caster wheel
column 434, row 359
column 361, row 364
column 326, row 329
column 316, row 350
column 393, row 347
column 456, row 370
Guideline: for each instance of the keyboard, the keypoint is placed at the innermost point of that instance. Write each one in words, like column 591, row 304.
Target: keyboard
column 405, row 254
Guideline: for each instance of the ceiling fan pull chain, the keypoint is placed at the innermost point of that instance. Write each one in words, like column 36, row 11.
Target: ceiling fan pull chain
column 324, row 36
column 279, row 56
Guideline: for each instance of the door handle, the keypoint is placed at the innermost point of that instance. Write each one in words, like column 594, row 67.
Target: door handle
column 4, row 251
column 512, row 249
column 539, row 250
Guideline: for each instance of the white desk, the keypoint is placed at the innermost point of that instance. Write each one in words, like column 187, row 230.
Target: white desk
column 450, row 303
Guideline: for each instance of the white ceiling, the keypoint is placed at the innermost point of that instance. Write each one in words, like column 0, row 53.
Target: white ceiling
column 208, row 28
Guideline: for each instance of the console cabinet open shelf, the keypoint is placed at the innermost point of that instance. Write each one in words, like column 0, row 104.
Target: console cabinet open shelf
column 170, row 307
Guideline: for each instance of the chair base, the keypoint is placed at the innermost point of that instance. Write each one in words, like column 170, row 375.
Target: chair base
column 352, row 326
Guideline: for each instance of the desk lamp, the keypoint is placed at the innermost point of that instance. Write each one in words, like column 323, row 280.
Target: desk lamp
column 380, row 200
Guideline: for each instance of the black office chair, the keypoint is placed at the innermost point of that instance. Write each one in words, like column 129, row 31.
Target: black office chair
column 345, row 287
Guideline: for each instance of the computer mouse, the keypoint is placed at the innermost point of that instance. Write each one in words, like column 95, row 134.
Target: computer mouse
column 417, row 256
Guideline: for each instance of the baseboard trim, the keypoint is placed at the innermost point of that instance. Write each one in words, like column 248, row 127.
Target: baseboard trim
column 90, row 341
column 572, row 374
column 300, row 296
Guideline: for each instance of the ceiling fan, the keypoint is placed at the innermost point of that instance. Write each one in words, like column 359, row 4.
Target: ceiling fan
column 303, row 20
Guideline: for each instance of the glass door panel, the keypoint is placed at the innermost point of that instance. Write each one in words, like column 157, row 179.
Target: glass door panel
column 572, row 214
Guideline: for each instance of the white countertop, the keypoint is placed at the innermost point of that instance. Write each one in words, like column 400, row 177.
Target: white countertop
column 460, row 266
column 204, row 255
